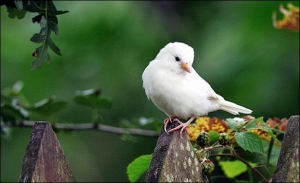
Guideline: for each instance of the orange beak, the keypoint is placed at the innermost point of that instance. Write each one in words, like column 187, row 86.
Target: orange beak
column 186, row 67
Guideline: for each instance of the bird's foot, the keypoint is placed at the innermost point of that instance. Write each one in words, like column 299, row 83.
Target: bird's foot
column 168, row 120
column 182, row 126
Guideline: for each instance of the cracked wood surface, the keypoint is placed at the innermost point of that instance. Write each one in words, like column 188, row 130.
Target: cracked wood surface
column 288, row 162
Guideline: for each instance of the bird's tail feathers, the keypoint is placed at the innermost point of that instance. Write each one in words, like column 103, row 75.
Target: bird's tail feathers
column 234, row 108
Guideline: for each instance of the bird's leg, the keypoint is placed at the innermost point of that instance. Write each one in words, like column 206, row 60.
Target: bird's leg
column 168, row 120
column 182, row 126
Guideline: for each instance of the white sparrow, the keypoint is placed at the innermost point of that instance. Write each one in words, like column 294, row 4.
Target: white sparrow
column 173, row 85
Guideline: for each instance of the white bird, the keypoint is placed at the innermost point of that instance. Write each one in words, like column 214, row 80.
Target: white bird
column 173, row 85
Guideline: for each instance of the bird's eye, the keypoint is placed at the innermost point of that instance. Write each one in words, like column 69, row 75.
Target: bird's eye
column 177, row 59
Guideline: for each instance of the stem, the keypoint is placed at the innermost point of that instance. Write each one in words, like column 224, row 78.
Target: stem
column 95, row 116
column 233, row 154
column 270, row 150
column 91, row 126
column 250, row 174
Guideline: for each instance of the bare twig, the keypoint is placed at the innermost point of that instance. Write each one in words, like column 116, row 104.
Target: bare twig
column 92, row 126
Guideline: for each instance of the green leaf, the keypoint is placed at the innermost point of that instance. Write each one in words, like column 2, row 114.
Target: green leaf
column 233, row 168
column 12, row 112
column 259, row 123
column 249, row 141
column 42, row 55
column 53, row 46
column 48, row 106
column 138, row 167
column 51, row 6
column 35, row 6
column 57, row 12
column 13, row 12
column 37, row 38
column 213, row 136
column 232, row 124
column 53, row 26
column 253, row 124
column 91, row 98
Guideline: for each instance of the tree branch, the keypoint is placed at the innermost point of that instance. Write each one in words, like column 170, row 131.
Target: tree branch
column 92, row 126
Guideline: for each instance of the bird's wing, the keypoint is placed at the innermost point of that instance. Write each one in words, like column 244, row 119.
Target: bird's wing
column 203, row 86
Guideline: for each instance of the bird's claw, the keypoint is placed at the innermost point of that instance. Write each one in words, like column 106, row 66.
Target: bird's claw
column 167, row 121
column 171, row 119
column 182, row 125
column 182, row 128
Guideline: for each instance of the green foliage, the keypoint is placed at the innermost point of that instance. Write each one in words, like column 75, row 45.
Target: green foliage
column 233, row 168
column 48, row 21
column 246, row 139
column 48, row 106
column 14, row 106
column 91, row 98
column 213, row 136
column 249, row 141
column 138, row 167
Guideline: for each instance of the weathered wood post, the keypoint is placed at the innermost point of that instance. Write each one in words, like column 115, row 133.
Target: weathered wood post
column 44, row 160
column 288, row 162
column 174, row 160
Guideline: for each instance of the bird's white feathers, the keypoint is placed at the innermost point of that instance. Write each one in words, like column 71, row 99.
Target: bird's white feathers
column 180, row 93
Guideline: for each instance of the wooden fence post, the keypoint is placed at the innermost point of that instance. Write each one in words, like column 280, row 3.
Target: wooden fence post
column 288, row 162
column 174, row 160
column 44, row 160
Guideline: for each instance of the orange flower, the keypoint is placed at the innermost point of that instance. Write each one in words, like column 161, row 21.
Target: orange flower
column 206, row 124
column 290, row 20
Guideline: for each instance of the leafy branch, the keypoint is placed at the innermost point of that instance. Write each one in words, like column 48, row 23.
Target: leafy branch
column 47, row 18
column 238, row 140
column 16, row 110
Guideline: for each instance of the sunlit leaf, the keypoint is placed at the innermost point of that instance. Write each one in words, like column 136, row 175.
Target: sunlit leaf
column 233, row 168
column 138, row 167
column 213, row 136
column 249, row 141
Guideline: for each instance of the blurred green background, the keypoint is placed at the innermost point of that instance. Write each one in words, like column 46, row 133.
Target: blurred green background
column 107, row 45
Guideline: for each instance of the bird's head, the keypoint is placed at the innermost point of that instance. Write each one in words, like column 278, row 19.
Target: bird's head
column 177, row 56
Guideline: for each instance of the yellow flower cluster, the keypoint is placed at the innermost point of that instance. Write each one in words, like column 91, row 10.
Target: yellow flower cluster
column 206, row 124
column 290, row 20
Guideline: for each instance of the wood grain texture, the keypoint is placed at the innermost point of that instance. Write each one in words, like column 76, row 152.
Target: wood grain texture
column 44, row 160
column 174, row 160
column 288, row 162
